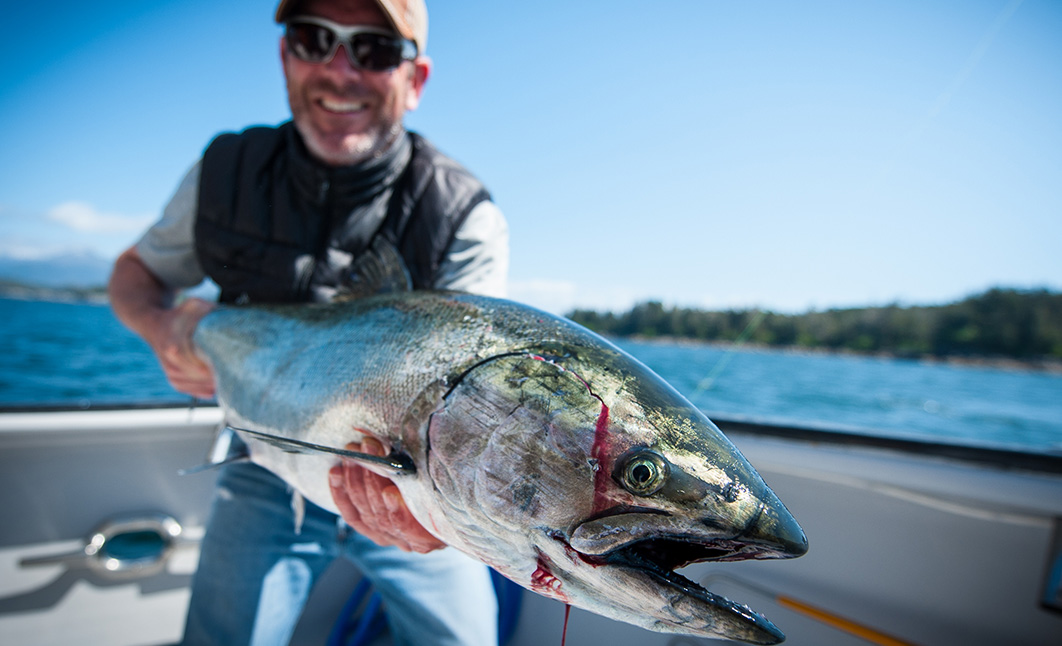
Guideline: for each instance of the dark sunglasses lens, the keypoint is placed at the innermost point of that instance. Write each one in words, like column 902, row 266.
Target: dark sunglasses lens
column 376, row 52
column 311, row 43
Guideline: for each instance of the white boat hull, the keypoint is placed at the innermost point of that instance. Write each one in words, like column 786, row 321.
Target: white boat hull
column 925, row 548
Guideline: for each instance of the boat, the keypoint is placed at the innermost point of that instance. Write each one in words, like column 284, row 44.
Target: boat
column 911, row 542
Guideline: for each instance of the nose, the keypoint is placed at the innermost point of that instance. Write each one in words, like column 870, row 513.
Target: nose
column 775, row 531
column 341, row 61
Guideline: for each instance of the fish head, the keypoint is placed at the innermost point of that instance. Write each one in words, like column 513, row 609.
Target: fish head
column 611, row 481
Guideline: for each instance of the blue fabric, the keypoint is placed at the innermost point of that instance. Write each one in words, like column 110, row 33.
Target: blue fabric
column 510, row 600
column 353, row 629
column 256, row 573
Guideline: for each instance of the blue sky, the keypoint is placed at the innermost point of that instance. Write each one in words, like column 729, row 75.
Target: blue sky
column 703, row 153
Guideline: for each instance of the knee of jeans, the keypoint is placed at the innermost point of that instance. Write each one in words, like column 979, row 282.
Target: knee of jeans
column 285, row 589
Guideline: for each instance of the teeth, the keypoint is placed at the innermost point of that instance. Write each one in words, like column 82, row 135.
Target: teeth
column 342, row 106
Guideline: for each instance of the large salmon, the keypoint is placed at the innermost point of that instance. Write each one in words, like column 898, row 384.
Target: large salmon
column 517, row 437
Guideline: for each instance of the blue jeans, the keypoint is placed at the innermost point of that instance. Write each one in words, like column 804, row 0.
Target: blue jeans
column 255, row 573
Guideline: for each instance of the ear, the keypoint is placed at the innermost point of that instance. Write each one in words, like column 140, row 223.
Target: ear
column 418, row 78
column 284, row 56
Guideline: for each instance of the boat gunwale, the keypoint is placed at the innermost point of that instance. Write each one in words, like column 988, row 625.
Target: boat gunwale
column 984, row 454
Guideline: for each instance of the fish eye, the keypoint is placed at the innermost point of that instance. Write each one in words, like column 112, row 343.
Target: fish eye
column 643, row 472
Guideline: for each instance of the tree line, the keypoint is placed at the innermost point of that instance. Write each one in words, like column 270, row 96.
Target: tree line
column 1012, row 323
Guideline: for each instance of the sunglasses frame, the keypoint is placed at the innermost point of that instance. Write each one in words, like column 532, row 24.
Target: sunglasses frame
column 342, row 35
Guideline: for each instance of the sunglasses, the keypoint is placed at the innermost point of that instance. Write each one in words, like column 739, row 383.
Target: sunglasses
column 315, row 40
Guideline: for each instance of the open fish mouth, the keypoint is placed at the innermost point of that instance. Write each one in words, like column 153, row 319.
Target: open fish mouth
column 658, row 559
column 673, row 553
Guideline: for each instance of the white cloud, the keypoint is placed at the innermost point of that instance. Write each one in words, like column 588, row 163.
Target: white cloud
column 555, row 296
column 23, row 252
column 66, row 229
column 83, row 217
column 48, row 252
column 561, row 296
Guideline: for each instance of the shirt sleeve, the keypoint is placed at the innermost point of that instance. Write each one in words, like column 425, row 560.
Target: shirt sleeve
column 478, row 258
column 168, row 246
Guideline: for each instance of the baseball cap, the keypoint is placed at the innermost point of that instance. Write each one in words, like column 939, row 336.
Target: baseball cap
column 409, row 18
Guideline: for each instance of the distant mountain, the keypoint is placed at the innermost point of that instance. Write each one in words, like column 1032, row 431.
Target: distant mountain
column 78, row 269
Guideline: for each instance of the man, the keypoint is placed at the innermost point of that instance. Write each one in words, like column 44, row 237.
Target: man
column 278, row 215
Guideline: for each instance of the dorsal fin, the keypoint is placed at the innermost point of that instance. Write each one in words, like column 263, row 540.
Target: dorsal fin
column 378, row 270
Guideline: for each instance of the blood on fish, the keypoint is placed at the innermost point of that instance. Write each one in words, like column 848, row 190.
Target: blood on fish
column 600, row 456
column 545, row 583
column 543, row 580
column 598, row 452
column 567, row 612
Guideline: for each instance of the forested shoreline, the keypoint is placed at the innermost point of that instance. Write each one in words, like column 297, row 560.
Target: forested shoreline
column 1023, row 325
column 1012, row 324
column 27, row 292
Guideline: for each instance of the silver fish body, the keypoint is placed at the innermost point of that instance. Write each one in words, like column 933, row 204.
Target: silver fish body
column 538, row 447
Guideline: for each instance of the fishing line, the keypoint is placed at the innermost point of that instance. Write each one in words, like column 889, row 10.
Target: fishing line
column 720, row 365
column 949, row 92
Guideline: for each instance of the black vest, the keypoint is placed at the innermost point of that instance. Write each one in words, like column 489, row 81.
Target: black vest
column 273, row 225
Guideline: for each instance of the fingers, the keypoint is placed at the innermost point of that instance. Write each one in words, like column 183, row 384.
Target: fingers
column 187, row 375
column 364, row 489
column 185, row 368
column 360, row 507
column 373, row 505
column 348, row 508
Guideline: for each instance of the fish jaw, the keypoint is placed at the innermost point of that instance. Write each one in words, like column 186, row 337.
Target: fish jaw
column 643, row 552
column 641, row 591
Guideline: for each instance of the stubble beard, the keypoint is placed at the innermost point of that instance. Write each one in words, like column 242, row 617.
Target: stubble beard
column 351, row 149
column 340, row 149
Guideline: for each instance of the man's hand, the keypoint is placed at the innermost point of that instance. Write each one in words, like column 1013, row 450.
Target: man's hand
column 172, row 342
column 144, row 304
column 373, row 506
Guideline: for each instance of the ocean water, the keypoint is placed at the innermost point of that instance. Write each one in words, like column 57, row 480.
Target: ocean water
column 882, row 396
column 67, row 354
column 74, row 354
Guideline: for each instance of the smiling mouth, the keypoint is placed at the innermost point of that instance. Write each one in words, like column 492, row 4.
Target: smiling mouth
column 343, row 107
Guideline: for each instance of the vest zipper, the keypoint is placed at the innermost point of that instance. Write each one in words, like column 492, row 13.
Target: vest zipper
column 306, row 265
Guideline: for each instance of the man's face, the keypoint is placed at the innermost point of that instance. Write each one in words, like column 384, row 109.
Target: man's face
column 345, row 114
